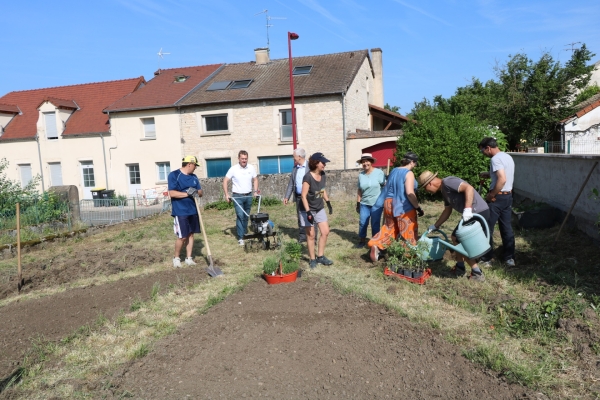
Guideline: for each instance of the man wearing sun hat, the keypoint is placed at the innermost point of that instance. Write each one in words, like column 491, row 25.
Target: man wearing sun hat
column 184, row 187
column 462, row 197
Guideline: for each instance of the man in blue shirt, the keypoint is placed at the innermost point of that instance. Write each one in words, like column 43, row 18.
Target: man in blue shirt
column 184, row 187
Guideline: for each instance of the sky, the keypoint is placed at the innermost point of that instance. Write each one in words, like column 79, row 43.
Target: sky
column 430, row 47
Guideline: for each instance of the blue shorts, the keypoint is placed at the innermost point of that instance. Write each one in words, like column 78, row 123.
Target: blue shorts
column 184, row 226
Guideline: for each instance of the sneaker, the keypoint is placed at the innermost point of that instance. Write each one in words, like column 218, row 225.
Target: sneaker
column 241, row 242
column 176, row 262
column 324, row 260
column 484, row 264
column 458, row 271
column 476, row 277
column 510, row 263
column 313, row 264
column 189, row 261
column 374, row 253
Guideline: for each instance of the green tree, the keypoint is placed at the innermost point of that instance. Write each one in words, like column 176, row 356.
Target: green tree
column 447, row 143
column 395, row 109
column 527, row 99
column 586, row 93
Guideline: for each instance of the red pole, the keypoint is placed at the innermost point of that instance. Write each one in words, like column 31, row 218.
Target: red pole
column 294, row 36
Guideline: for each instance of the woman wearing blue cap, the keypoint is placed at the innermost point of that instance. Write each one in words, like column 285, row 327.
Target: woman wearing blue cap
column 312, row 209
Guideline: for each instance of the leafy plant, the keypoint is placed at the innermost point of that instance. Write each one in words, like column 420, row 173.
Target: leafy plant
column 289, row 266
column 270, row 265
column 293, row 250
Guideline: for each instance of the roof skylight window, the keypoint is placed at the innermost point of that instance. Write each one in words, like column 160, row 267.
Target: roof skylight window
column 304, row 70
column 240, row 84
column 221, row 85
column 180, row 78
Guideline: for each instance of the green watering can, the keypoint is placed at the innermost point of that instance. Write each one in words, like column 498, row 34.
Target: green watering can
column 433, row 248
column 473, row 241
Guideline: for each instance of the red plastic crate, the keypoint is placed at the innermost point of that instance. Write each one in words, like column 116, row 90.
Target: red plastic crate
column 419, row 281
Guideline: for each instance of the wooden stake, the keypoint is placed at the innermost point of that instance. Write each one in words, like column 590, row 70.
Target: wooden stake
column 19, row 272
column 388, row 167
column 575, row 201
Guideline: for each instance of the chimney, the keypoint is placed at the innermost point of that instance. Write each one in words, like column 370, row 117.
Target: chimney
column 377, row 97
column 262, row 55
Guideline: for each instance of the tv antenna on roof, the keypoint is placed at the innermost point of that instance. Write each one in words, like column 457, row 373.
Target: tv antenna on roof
column 160, row 55
column 572, row 49
column 266, row 12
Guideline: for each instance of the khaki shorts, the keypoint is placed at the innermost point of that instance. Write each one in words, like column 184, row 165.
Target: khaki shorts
column 319, row 216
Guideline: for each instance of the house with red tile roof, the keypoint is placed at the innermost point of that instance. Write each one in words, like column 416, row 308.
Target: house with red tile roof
column 247, row 106
column 580, row 132
column 61, row 133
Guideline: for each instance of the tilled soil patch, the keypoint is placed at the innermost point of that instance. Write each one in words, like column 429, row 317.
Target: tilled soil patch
column 303, row 340
column 79, row 264
column 53, row 317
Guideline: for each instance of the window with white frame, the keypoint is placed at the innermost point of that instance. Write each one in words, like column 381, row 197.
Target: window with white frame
column 26, row 175
column 286, row 125
column 149, row 128
column 215, row 123
column 275, row 164
column 50, row 122
column 163, row 169
column 55, row 174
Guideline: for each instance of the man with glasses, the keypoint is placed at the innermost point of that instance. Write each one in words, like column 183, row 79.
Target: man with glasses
column 499, row 199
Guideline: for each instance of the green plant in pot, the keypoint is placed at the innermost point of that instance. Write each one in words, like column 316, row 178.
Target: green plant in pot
column 395, row 256
column 270, row 265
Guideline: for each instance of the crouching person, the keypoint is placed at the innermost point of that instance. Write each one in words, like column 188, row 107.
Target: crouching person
column 462, row 197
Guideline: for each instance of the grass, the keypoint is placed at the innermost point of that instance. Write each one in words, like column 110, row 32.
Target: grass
column 514, row 323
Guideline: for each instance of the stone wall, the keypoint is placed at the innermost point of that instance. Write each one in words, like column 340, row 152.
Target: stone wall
column 341, row 186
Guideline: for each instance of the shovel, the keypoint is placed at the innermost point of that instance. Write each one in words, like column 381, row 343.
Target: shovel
column 212, row 270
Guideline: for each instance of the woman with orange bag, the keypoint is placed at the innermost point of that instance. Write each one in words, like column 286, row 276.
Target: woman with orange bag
column 400, row 207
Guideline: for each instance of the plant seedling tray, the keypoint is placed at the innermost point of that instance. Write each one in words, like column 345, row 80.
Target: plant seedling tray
column 275, row 279
column 418, row 281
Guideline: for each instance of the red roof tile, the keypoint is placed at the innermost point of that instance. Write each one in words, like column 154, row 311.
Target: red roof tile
column 9, row 109
column 163, row 90
column 91, row 98
column 60, row 103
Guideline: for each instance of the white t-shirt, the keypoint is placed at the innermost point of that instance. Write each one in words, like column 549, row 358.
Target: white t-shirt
column 241, row 178
column 505, row 162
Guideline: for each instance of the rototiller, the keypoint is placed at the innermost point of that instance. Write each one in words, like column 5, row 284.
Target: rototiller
column 262, row 229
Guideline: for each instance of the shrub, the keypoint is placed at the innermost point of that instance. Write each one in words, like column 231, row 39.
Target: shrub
column 447, row 144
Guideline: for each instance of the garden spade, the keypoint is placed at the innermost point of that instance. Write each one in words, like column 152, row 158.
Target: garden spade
column 212, row 270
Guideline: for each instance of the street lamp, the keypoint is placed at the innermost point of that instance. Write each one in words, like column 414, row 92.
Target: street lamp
column 292, row 36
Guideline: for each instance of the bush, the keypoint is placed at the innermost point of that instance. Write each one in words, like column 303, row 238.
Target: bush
column 447, row 144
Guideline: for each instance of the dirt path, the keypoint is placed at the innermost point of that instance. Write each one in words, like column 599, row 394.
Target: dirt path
column 54, row 317
column 304, row 340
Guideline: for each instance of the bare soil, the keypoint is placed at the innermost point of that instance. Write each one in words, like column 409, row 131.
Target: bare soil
column 305, row 340
column 299, row 340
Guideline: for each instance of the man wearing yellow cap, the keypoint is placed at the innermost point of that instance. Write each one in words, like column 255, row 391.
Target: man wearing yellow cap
column 184, row 187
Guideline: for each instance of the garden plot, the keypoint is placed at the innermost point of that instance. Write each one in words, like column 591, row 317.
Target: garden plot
column 535, row 325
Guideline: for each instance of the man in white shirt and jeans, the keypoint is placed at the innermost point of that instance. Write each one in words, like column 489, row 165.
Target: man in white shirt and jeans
column 499, row 198
column 243, row 178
